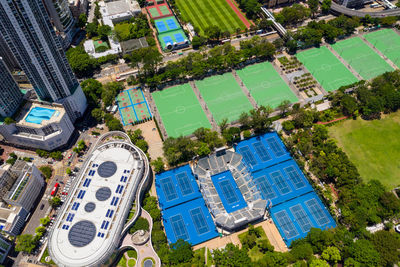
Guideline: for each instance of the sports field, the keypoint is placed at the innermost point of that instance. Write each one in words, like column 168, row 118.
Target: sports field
column 224, row 97
column 386, row 41
column 133, row 106
column 265, row 84
column 326, row 68
column 180, row 111
column 205, row 13
column 373, row 146
column 361, row 57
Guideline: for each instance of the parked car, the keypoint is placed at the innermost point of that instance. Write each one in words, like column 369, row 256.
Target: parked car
column 41, row 207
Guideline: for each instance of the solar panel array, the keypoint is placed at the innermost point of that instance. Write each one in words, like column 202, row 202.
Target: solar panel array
column 82, row 233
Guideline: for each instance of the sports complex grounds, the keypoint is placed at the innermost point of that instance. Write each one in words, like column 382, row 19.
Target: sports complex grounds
column 194, row 198
column 184, row 108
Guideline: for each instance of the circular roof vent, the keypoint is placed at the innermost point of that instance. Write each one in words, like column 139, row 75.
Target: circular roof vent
column 107, row 169
column 89, row 207
column 82, row 233
column 103, row 194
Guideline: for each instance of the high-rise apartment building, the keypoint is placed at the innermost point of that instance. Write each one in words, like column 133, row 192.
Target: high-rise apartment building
column 7, row 56
column 26, row 28
column 62, row 19
column 10, row 95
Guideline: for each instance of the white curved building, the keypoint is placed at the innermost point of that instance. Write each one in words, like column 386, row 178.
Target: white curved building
column 89, row 227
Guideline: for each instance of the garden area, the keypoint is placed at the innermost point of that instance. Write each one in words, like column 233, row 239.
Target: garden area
column 128, row 259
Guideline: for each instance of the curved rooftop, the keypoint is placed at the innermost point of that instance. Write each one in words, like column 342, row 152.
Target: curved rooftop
column 90, row 224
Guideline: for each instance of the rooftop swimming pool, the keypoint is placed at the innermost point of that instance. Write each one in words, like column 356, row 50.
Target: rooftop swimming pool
column 39, row 114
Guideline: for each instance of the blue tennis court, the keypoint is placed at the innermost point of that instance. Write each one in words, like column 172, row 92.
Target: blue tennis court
column 228, row 191
column 167, row 39
column 161, row 27
column 171, row 24
column 295, row 218
column 281, row 182
column 262, row 151
column 179, row 37
column 176, row 186
column 190, row 221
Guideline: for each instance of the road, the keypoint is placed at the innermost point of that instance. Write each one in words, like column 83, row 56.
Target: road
column 357, row 13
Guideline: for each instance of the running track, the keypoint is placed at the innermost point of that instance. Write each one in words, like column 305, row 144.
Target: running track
column 238, row 13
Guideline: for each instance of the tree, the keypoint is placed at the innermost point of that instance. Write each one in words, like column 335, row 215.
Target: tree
column 98, row 114
column 140, row 224
column 283, row 107
column 9, row 121
column 319, row 263
column 91, row 29
column 181, row 251
column 364, row 252
column 81, row 63
column 103, row 31
column 301, row 251
column 198, row 41
column 244, row 120
column 40, row 230
column 47, row 171
column 387, row 245
column 82, row 20
column 158, row 165
column 203, row 150
column 55, row 202
column 25, row 243
column 313, row 5
column 142, row 144
column 232, row 256
column 326, row 6
column 44, row 221
column 114, row 125
column 260, row 121
column 331, row 254
column 92, row 89
column 68, row 171
column 212, row 32
column 56, row 155
column 223, row 124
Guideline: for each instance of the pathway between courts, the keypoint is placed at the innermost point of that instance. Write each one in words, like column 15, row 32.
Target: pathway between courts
column 355, row 73
column 203, row 105
column 289, row 83
column 378, row 52
column 244, row 89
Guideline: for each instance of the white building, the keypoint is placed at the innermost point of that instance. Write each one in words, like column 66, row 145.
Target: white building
column 91, row 223
column 39, row 125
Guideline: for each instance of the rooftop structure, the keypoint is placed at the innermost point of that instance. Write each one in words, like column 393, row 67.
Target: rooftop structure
column 232, row 198
column 90, row 225
column 39, row 125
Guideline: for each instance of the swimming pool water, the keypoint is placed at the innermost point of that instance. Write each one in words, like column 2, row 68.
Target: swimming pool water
column 38, row 114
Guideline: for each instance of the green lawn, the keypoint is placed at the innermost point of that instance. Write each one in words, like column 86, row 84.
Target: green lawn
column 205, row 13
column 373, row 146
column 180, row 111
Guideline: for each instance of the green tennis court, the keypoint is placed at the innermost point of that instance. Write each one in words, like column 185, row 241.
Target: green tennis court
column 154, row 12
column 123, row 99
column 164, row 10
column 265, row 84
column 180, row 111
column 128, row 115
column 141, row 111
column 136, row 96
column 388, row 42
column 361, row 57
column 326, row 68
column 224, row 97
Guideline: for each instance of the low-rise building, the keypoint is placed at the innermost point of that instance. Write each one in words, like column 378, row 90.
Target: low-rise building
column 39, row 125
column 26, row 184
column 78, row 7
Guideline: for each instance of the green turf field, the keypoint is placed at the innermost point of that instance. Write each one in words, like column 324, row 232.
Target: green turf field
column 224, row 97
column 373, row 146
column 205, row 13
column 265, row 84
column 361, row 57
column 180, row 111
column 387, row 42
column 326, row 68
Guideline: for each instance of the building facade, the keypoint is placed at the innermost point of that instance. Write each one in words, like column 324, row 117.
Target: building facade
column 78, row 7
column 5, row 247
column 10, row 95
column 27, row 187
column 62, row 19
column 39, row 125
column 7, row 179
column 8, row 57
column 28, row 32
